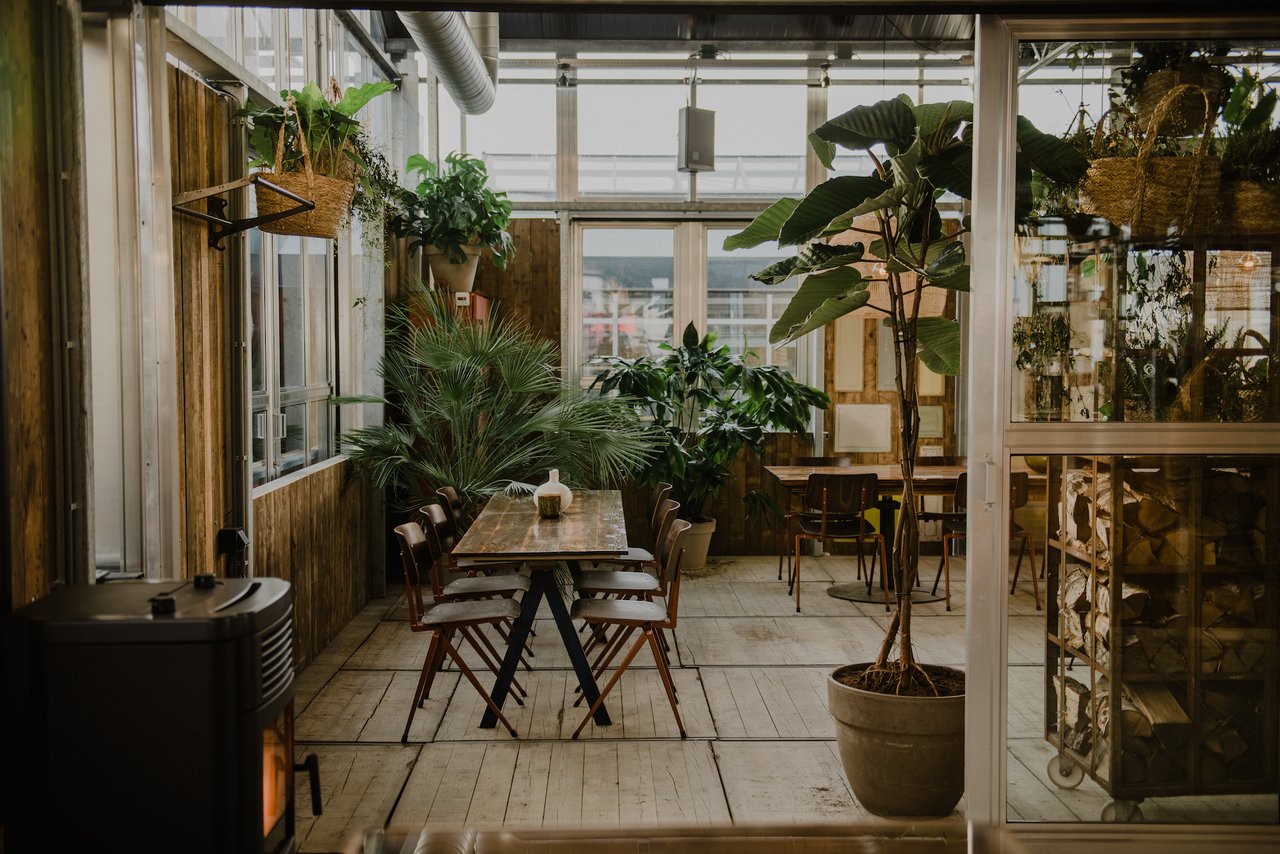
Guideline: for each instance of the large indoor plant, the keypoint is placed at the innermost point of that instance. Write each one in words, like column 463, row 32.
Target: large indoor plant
column 454, row 215
column 482, row 407
column 313, row 146
column 707, row 404
column 900, row 723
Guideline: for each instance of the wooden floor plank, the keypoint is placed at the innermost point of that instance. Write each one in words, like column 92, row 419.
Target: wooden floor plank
column 346, row 704
column 488, row 807
column 387, row 722
column 359, row 785
column 564, row 788
column 527, row 802
column 785, row 782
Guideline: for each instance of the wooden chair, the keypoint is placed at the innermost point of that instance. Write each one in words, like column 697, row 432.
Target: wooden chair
column 638, row 558
column 842, row 462
column 632, row 580
column 450, row 532
column 953, row 529
column 443, row 621
column 843, row 501
column 643, row 616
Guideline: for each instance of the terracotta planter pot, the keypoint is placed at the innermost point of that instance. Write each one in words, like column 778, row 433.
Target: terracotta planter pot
column 903, row 756
column 459, row 278
column 696, row 543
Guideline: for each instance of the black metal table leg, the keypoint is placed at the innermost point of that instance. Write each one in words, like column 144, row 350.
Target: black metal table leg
column 538, row 582
column 573, row 645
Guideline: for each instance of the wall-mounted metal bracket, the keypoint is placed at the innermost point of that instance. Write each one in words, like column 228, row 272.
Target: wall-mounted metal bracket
column 219, row 226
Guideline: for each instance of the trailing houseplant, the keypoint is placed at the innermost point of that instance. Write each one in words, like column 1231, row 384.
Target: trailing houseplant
column 313, row 146
column 482, row 407
column 454, row 215
column 900, row 724
column 706, row 405
column 1159, row 67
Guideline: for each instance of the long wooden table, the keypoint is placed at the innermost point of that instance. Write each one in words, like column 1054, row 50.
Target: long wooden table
column 508, row 529
column 927, row 480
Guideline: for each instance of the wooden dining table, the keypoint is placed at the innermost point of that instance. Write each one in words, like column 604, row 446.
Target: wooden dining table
column 926, row 480
column 508, row 530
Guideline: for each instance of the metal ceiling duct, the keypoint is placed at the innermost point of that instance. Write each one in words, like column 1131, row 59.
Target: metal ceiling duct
column 464, row 58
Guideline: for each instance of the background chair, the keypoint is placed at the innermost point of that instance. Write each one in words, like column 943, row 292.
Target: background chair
column 953, row 529
column 843, row 500
column 785, row 552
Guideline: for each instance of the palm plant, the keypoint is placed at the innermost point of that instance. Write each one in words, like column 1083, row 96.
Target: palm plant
column 482, row 407
column 919, row 152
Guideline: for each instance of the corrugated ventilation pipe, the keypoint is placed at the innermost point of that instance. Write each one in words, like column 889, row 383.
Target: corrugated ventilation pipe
column 465, row 58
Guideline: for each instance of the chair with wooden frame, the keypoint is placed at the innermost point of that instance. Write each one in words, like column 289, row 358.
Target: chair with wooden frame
column 785, row 552
column 451, row 531
column 633, row 580
column 644, row 616
column 470, row 586
column 638, row 558
column 953, row 529
column 843, row 501
column 443, row 620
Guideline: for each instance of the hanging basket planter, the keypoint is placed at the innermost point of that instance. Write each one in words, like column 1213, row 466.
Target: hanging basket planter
column 1158, row 195
column 332, row 195
column 1248, row 206
column 1186, row 114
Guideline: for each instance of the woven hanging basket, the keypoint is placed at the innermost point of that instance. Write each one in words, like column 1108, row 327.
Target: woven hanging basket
column 1156, row 196
column 1250, row 207
column 332, row 196
column 1186, row 116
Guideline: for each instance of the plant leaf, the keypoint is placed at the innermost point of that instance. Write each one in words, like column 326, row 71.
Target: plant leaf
column 938, row 344
column 357, row 96
column 812, row 259
column 1056, row 159
column 890, row 122
column 955, row 279
column 820, row 300
column 828, row 201
column 951, row 169
column 930, row 118
column 826, row 151
column 765, row 227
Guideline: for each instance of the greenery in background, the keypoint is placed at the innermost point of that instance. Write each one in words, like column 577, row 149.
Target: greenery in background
column 482, row 407
column 1164, row 363
column 337, row 142
column 452, row 207
column 1251, row 146
column 919, row 152
column 705, row 405
column 1040, row 340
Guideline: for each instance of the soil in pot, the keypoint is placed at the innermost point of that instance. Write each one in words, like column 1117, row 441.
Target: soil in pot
column 903, row 755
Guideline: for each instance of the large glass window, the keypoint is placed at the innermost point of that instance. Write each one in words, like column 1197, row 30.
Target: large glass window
column 755, row 157
column 522, row 164
column 627, row 139
column 741, row 311
column 627, row 298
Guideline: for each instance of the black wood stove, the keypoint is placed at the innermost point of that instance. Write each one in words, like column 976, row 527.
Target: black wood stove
column 151, row 716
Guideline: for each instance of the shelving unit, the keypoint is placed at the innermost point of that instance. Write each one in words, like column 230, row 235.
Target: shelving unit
column 1161, row 657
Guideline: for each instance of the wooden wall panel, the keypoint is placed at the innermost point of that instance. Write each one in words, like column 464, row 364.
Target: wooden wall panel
column 322, row 532
column 200, row 128
column 529, row 288
column 30, row 353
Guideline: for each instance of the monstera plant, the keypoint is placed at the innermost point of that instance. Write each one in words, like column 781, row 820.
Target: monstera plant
column 900, row 759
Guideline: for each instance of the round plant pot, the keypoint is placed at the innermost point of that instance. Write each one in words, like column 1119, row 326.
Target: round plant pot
column 696, row 543
column 458, row 278
column 903, row 756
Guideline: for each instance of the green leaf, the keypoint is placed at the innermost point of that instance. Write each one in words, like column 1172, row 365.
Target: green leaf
column 951, row 255
column 951, row 169
column 830, row 200
column 1260, row 114
column 310, row 98
column 930, row 118
column 826, row 151
column 955, row 279
column 357, row 96
column 812, row 259
column 690, row 337
column 1056, row 159
column 419, row 163
column 938, row 344
column 890, row 122
column 765, row 227
column 812, row 293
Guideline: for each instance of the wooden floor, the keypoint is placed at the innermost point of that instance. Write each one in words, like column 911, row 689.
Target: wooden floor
column 750, row 673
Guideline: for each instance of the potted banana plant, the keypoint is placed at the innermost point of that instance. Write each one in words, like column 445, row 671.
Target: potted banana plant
column 899, row 722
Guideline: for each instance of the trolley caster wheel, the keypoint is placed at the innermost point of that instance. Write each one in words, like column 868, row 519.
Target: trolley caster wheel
column 1121, row 811
column 1064, row 773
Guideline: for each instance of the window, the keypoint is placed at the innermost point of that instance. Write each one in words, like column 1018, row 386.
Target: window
column 523, row 164
column 291, row 316
column 627, row 139
column 641, row 285
column 754, row 157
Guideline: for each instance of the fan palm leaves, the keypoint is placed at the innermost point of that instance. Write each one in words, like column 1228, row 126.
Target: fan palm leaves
column 482, row 407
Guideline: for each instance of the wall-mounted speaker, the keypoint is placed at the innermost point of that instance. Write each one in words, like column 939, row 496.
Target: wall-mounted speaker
column 697, row 152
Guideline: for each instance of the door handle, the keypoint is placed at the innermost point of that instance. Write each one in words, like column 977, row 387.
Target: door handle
column 990, row 485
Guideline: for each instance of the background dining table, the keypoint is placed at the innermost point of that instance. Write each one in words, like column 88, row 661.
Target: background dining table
column 509, row 529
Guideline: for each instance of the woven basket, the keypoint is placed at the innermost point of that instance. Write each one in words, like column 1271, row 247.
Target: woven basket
column 1156, row 195
column 1248, row 206
column 332, row 196
column 1187, row 114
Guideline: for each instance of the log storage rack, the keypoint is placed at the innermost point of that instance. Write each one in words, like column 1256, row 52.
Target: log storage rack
column 1161, row 660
